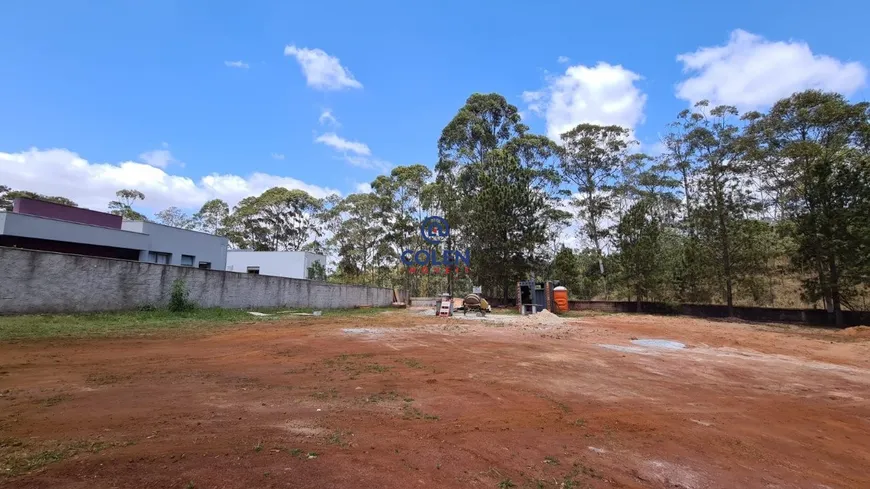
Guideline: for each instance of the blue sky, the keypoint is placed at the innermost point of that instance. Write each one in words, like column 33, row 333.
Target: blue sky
column 189, row 100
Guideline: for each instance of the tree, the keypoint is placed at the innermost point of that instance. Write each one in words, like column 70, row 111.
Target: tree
column 356, row 234
column 316, row 271
column 278, row 219
column 287, row 215
column 592, row 157
column 5, row 201
column 486, row 122
column 124, row 205
column 679, row 157
column 555, row 222
column 494, row 185
column 212, row 217
column 175, row 217
column 507, row 219
column 400, row 210
column 817, row 142
column 321, row 221
column 723, row 197
column 638, row 241
column 567, row 269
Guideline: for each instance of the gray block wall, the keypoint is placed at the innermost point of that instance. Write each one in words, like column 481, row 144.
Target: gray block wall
column 38, row 281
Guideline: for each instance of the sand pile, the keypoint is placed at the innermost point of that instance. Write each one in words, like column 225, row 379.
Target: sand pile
column 859, row 331
column 543, row 317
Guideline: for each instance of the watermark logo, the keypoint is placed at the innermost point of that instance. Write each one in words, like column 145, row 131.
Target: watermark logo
column 435, row 230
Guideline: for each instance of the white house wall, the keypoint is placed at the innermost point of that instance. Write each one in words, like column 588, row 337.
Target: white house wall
column 292, row 264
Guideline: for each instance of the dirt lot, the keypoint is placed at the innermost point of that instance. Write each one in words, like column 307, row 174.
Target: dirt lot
column 402, row 400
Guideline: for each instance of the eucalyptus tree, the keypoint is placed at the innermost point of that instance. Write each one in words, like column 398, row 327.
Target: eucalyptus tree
column 818, row 144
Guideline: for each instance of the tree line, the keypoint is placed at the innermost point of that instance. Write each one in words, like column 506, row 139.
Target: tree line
column 760, row 208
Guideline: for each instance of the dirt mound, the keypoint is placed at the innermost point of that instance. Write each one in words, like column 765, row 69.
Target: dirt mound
column 543, row 317
column 859, row 331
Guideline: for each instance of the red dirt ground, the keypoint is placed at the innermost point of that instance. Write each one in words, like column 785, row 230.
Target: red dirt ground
column 400, row 400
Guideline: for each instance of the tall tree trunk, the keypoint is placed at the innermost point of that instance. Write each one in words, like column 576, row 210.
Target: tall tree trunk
column 638, row 294
column 450, row 275
column 726, row 258
column 835, row 290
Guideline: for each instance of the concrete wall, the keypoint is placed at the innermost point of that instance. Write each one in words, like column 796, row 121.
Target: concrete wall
column 293, row 264
column 36, row 281
column 814, row 317
column 203, row 247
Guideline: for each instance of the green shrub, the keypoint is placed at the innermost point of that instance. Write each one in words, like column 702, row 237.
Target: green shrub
column 178, row 300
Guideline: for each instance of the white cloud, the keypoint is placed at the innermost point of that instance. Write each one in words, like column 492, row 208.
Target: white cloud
column 363, row 188
column 322, row 71
column 603, row 94
column 326, row 117
column 233, row 188
column 369, row 163
column 535, row 100
column 236, row 64
column 160, row 158
column 92, row 185
column 337, row 142
column 751, row 72
column 354, row 152
column 563, row 59
column 278, row 156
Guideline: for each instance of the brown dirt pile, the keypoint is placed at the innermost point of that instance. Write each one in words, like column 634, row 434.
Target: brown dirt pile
column 858, row 331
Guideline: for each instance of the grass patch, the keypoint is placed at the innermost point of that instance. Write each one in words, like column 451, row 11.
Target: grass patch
column 351, row 364
column 369, row 311
column 323, row 395
column 587, row 314
column 506, row 484
column 383, row 396
column 119, row 323
column 411, row 412
column 412, row 362
column 551, row 460
column 144, row 321
column 570, row 480
column 17, row 457
column 376, row 367
column 338, row 438
column 54, row 400
column 105, row 379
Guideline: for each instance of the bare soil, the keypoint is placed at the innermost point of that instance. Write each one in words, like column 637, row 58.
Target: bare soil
column 402, row 400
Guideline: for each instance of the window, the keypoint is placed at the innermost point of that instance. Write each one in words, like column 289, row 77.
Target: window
column 254, row 270
column 205, row 265
column 187, row 260
column 159, row 258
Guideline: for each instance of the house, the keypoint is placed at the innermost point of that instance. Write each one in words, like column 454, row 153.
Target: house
column 292, row 264
column 47, row 226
